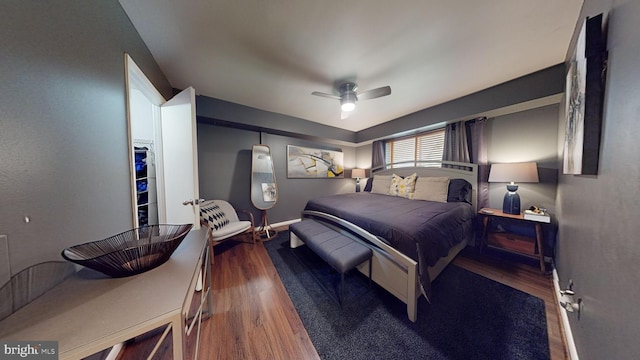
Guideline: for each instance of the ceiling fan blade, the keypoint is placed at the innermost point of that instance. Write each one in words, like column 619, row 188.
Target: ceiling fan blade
column 374, row 93
column 326, row 95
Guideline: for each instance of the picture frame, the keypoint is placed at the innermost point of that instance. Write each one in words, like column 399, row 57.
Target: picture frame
column 313, row 163
column 584, row 99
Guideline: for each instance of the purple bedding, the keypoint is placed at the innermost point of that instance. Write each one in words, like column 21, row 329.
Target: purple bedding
column 422, row 230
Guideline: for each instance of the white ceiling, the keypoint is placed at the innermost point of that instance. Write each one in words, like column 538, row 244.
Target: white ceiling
column 271, row 54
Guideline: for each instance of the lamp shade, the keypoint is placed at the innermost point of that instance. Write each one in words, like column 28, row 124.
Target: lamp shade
column 357, row 173
column 514, row 172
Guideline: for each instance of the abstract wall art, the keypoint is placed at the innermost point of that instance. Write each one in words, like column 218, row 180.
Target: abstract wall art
column 304, row 162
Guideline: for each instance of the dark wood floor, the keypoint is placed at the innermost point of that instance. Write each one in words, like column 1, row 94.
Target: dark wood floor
column 253, row 317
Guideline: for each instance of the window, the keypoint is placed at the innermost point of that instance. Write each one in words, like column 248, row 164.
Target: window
column 423, row 147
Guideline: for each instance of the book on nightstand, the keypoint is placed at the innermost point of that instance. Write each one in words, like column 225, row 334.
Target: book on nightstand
column 537, row 216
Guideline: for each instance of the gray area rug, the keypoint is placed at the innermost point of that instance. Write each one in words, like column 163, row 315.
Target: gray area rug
column 470, row 317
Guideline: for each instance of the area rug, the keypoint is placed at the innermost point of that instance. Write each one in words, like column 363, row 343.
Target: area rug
column 469, row 317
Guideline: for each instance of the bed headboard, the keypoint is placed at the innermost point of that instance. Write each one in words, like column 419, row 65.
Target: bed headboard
column 452, row 169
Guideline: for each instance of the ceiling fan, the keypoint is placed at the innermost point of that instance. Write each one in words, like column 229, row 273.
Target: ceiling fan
column 349, row 95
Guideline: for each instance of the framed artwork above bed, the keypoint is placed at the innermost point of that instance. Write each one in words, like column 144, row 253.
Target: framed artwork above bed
column 311, row 163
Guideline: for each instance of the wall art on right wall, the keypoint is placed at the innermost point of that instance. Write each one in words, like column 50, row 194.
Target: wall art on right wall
column 584, row 96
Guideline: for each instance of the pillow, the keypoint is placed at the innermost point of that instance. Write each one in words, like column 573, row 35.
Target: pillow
column 432, row 188
column 403, row 187
column 381, row 184
column 369, row 184
column 459, row 191
column 213, row 217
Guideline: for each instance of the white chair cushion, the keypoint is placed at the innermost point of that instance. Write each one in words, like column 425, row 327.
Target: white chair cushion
column 230, row 229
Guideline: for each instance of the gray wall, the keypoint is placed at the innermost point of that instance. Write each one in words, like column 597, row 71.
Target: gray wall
column 63, row 129
column 224, row 163
column 538, row 85
column 222, row 112
column 599, row 227
column 525, row 136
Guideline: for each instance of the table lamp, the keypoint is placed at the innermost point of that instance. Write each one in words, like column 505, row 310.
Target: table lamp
column 357, row 174
column 511, row 174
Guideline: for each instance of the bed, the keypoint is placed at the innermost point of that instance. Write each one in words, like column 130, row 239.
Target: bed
column 412, row 240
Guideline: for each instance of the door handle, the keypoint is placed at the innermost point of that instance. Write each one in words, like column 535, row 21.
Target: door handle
column 192, row 202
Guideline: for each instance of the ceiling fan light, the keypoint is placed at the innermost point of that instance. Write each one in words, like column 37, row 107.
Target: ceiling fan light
column 348, row 106
column 348, row 102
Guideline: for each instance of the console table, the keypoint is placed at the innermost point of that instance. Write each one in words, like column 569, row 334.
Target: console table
column 90, row 312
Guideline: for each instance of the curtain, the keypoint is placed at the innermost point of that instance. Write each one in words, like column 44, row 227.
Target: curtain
column 465, row 142
column 478, row 154
column 456, row 146
column 377, row 154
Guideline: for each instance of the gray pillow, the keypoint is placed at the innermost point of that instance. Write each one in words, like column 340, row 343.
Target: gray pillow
column 432, row 188
column 381, row 184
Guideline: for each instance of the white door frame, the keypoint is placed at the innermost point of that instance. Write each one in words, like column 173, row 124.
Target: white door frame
column 136, row 79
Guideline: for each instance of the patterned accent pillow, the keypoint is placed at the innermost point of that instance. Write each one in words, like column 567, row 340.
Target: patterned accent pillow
column 403, row 187
column 213, row 217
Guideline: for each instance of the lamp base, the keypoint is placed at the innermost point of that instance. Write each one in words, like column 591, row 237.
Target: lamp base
column 511, row 203
column 358, row 185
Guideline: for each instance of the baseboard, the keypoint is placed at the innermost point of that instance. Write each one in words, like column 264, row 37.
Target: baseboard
column 280, row 224
column 566, row 327
column 115, row 351
column 285, row 223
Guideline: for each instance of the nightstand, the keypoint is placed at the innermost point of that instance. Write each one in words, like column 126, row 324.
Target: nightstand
column 496, row 237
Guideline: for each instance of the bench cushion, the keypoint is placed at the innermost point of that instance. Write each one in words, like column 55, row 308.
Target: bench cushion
column 339, row 251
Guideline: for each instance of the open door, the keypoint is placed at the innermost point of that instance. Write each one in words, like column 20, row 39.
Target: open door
column 171, row 127
column 179, row 166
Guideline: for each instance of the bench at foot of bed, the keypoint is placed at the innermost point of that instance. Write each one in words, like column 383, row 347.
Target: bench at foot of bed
column 339, row 251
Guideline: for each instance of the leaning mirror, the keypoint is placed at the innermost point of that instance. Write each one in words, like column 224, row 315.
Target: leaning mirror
column 264, row 191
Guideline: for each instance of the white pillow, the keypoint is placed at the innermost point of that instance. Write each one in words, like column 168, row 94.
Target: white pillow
column 434, row 188
column 403, row 187
column 213, row 217
column 381, row 184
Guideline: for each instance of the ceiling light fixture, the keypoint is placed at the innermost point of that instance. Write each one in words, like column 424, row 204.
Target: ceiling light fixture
column 349, row 95
column 348, row 101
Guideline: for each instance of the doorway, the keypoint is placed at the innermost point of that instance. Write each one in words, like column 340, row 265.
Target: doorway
column 163, row 153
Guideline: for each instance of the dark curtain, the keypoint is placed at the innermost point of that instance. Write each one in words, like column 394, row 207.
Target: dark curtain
column 377, row 154
column 478, row 155
column 465, row 142
column 456, row 146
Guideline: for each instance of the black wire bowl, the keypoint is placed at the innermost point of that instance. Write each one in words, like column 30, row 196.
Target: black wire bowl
column 131, row 252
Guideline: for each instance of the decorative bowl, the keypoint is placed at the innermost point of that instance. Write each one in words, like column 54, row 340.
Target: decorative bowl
column 131, row 252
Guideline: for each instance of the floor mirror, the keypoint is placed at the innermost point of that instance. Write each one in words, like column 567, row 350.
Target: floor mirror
column 264, row 190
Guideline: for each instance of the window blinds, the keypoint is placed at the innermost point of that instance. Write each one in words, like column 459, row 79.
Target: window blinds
column 427, row 146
